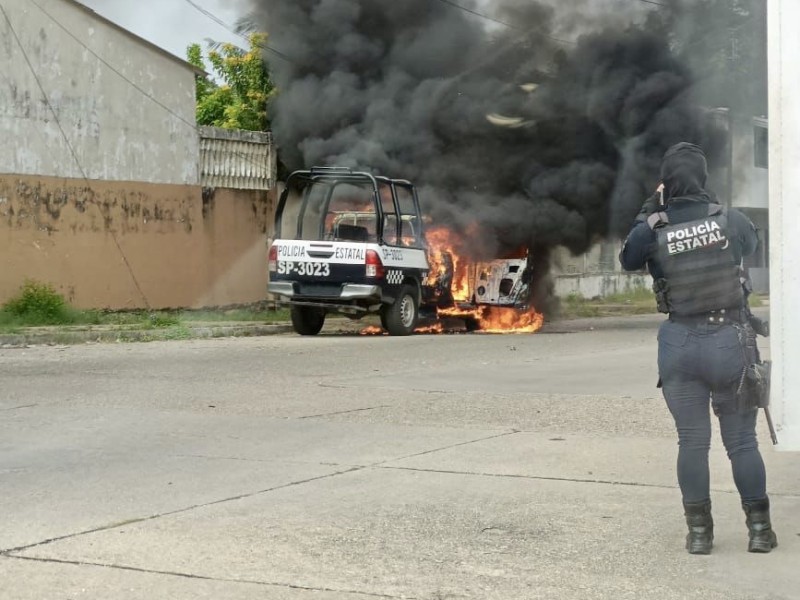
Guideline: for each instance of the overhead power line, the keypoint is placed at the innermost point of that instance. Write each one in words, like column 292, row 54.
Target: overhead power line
column 112, row 68
column 235, row 32
column 214, row 18
column 42, row 90
column 503, row 23
column 473, row 12
column 479, row 14
column 517, row 27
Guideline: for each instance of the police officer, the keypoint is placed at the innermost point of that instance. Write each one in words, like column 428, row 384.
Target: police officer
column 693, row 248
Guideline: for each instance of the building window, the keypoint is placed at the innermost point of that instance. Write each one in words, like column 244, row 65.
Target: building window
column 761, row 146
column 760, row 219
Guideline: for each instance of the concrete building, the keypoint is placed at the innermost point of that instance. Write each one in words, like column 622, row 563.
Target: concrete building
column 83, row 97
column 745, row 184
column 742, row 183
column 108, row 189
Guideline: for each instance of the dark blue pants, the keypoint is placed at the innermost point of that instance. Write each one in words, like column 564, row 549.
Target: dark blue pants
column 698, row 364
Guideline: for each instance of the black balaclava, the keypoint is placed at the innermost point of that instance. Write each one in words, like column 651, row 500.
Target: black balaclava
column 684, row 172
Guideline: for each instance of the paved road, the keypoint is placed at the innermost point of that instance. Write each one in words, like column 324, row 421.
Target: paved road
column 344, row 467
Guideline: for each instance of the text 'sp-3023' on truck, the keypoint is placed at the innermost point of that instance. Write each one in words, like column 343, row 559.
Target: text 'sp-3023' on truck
column 351, row 243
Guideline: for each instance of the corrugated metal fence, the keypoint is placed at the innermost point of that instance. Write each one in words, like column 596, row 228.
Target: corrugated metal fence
column 244, row 160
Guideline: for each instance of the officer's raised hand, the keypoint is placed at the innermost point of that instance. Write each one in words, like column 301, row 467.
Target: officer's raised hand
column 652, row 204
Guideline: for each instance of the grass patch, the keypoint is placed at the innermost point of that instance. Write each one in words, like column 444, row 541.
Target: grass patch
column 756, row 301
column 165, row 319
column 9, row 327
column 174, row 332
column 38, row 304
column 634, row 302
column 634, row 297
column 576, row 306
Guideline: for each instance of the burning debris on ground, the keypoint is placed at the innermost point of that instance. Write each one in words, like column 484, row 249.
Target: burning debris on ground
column 517, row 135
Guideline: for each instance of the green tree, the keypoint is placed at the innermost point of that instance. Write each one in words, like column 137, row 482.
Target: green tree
column 240, row 100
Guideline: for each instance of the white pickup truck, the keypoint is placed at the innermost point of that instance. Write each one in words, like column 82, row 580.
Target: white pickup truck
column 352, row 243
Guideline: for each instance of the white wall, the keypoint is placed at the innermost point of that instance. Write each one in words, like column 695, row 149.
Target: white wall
column 589, row 285
column 750, row 183
column 596, row 273
column 784, row 88
column 117, row 132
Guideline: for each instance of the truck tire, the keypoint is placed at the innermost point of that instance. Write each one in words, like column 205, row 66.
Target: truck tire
column 401, row 317
column 307, row 320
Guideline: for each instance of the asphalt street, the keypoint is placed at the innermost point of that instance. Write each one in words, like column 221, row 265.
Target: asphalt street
column 343, row 467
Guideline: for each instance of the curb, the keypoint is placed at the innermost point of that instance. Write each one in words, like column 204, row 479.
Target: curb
column 33, row 337
column 63, row 337
column 70, row 337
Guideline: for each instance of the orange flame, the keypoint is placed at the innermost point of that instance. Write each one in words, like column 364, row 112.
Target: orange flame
column 444, row 243
column 510, row 320
column 372, row 330
column 447, row 255
column 498, row 319
column 435, row 328
column 444, row 246
column 489, row 319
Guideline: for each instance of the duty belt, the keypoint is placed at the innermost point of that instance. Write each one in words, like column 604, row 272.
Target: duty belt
column 721, row 316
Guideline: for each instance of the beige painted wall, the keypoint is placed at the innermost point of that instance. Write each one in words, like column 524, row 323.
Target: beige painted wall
column 185, row 248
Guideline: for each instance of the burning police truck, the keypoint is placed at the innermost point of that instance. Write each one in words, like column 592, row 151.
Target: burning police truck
column 353, row 243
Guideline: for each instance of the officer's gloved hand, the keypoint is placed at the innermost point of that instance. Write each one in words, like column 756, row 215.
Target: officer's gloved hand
column 651, row 205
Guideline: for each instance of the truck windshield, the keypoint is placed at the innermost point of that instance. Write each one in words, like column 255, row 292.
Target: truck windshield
column 330, row 210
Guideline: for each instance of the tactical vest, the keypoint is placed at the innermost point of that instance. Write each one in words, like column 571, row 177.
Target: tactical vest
column 698, row 263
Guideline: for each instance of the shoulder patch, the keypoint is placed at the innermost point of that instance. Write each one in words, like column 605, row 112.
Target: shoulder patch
column 658, row 219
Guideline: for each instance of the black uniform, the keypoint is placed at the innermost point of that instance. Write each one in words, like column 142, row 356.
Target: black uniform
column 693, row 248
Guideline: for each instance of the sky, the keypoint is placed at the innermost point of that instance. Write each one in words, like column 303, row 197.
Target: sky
column 171, row 24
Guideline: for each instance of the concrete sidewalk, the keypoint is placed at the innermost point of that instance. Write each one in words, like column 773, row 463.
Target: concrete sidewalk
column 344, row 467
column 86, row 334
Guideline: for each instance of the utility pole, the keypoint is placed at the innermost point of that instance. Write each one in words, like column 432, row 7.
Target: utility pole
column 784, row 174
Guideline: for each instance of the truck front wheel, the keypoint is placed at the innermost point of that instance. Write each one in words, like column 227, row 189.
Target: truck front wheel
column 401, row 317
column 307, row 320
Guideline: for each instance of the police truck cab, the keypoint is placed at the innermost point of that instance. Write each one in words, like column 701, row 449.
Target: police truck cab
column 351, row 243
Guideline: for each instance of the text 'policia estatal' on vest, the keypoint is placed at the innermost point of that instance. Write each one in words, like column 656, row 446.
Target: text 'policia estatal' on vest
column 704, row 235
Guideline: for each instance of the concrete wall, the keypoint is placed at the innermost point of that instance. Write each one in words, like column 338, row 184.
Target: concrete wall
column 602, row 257
column 601, row 285
column 185, row 246
column 595, row 274
column 784, row 110
column 750, row 182
column 116, row 131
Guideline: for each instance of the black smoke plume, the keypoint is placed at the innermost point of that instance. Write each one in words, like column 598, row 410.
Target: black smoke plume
column 420, row 89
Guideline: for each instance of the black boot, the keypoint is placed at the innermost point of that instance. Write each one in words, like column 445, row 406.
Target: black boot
column 762, row 538
column 701, row 527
